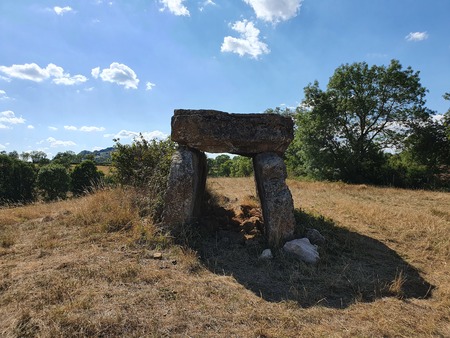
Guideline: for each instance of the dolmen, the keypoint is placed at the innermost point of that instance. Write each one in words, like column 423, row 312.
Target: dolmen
column 263, row 137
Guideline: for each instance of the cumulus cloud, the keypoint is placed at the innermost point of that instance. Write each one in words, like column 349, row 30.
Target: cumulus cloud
column 58, row 143
column 30, row 126
column 275, row 10
column 70, row 128
column 90, row 129
column 52, row 128
column 247, row 43
column 417, row 36
column 62, row 10
column 148, row 135
column 175, row 6
column 117, row 73
column 33, row 72
column 149, row 86
column 2, row 146
column 87, row 129
column 8, row 118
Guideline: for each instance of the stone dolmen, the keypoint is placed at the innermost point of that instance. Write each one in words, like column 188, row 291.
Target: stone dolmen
column 263, row 137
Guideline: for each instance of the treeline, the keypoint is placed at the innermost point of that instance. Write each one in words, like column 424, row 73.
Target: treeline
column 143, row 164
column 226, row 166
column 23, row 182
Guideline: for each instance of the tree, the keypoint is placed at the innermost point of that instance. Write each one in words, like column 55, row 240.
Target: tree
column 65, row 158
column 242, row 166
column 53, row 181
column 17, row 180
column 342, row 132
column 39, row 157
column 84, row 177
column 220, row 166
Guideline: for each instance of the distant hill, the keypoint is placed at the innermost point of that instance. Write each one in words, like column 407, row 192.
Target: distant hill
column 102, row 156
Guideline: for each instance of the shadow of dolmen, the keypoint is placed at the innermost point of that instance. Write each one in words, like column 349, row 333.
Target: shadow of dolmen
column 353, row 267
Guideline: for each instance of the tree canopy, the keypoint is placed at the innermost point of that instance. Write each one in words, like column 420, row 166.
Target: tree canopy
column 343, row 130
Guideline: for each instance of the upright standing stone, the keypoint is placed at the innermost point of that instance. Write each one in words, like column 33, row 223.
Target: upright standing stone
column 186, row 186
column 275, row 197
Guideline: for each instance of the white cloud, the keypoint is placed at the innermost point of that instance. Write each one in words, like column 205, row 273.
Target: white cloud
column 117, row 73
column 7, row 118
column 52, row 128
column 149, row 86
column 175, row 6
column 275, row 10
column 91, row 129
column 28, row 71
column 3, row 95
column 417, row 36
column 62, row 10
column 33, row 72
column 148, row 135
column 70, row 128
column 1, row 145
column 30, row 126
column 70, row 80
column 248, row 43
column 95, row 72
column 87, row 129
column 58, row 143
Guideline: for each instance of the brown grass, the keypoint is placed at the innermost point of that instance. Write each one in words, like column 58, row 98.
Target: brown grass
column 86, row 267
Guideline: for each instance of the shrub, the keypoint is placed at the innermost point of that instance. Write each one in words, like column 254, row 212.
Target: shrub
column 53, row 180
column 84, row 177
column 144, row 164
column 16, row 180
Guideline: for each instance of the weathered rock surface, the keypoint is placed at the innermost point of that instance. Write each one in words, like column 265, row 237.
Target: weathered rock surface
column 244, row 134
column 303, row 250
column 186, row 186
column 275, row 197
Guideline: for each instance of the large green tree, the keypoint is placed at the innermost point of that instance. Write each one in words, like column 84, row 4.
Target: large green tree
column 342, row 131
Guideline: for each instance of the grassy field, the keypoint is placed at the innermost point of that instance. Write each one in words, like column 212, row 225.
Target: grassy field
column 92, row 267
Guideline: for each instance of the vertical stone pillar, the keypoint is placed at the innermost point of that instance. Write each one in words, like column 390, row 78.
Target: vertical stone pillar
column 186, row 187
column 276, row 199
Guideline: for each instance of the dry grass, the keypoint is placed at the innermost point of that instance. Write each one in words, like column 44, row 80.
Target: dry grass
column 86, row 267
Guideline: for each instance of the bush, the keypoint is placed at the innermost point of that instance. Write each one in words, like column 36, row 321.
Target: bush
column 53, row 180
column 84, row 177
column 144, row 164
column 17, row 180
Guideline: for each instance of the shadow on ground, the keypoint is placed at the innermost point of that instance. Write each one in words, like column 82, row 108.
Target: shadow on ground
column 353, row 267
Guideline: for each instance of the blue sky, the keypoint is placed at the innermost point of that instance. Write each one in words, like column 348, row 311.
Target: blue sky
column 76, row 74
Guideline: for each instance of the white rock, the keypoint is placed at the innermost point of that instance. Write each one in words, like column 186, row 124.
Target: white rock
column 303, row 250
column 266, row 254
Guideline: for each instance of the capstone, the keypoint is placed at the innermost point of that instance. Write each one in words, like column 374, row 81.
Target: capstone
column 243, row 134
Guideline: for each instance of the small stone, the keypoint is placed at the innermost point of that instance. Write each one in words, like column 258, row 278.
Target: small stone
column 157, row 255
column 303, row 250
column 266, row 254
column 315, row 237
